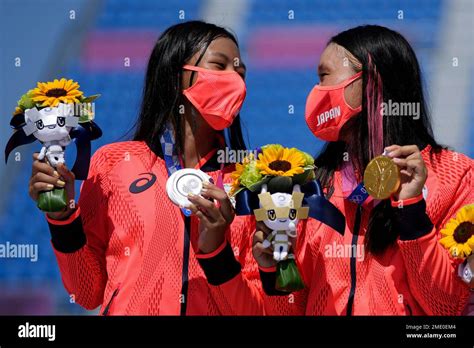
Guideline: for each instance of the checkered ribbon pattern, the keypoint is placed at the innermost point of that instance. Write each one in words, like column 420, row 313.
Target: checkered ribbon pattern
column 170, row 156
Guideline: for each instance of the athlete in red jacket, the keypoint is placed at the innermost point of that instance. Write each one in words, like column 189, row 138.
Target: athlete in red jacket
column 134, row 252
column 389, row 260
column 125, row 246
column 413, row 276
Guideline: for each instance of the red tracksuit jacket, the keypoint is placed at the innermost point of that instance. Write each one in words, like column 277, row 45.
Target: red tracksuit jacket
column 129, row 249
column 135, row 254
column 416, row 276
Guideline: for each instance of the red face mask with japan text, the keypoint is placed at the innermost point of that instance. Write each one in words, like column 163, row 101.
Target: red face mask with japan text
column 327, row 110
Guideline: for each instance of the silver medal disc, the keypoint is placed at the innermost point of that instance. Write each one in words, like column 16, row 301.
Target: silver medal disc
column 183, row 182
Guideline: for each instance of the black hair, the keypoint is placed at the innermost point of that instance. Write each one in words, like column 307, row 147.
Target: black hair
column 162, row 93
column 400, row 73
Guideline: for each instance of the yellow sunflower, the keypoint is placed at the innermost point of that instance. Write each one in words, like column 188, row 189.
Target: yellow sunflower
column 280, row 161
column 53, row 93
column 458, row 234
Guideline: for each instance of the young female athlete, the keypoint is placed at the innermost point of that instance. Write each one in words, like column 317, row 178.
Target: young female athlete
column 125, row 246
column 389, row 260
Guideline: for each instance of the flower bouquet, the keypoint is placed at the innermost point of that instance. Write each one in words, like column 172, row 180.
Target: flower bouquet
column 276, row 173
column 55, row 113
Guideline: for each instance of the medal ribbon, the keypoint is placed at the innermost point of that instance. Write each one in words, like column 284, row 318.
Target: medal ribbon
column 170, row 156
column 354, row 192
column 174, row 162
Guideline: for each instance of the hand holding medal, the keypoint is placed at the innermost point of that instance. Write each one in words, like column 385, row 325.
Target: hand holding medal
column 192, row 190
column 413, row 172
column 400, row 172
column 183, row 183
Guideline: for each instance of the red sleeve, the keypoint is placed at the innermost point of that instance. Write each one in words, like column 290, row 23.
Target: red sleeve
column 242, row 293
column 291, row 304
column 431, row 272
column 231, row 278
column 80, row 242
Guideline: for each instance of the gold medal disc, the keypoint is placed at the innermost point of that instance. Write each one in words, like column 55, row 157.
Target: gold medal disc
column 381, row 177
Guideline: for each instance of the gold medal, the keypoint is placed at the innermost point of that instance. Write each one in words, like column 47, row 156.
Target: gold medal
column 381, row 177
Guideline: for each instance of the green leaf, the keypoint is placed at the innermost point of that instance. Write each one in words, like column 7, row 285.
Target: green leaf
column 90, row 98
column 250, row 175
column 258, row 185
column 288, row 276
column 304, row 177
column 52, row 201
column 280, row 184
column 86, row 117
column 26, row 102
column 238, row 190
column 308, row 159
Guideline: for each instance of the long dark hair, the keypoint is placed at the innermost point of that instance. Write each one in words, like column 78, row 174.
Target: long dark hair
column 162, row 93
column 399, row 70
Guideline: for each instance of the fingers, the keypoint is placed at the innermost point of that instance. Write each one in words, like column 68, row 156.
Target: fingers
column 42, row 186
column 206, row 206
column 258, row 239
column 198, row 213
column 47, row 179
column 204, row 218
column 408, row 158
column 44, row 178
column 201, row 216
column 391, row 148
column 42, row 167
column 37, row 187
column 401, row 151
column 411, row 165
column 259, row 248
column 262, row 227
column 66, row 173
column 212, row 191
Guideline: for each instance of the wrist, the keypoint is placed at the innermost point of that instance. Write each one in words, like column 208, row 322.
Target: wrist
column 204, row 254
column 212, row 246
column 410, row 218
column 211, row 240
column 62, row 215
column 400, row 203
column 219, row 266
column 401, row 196
column 267, row 268
column 67, row 236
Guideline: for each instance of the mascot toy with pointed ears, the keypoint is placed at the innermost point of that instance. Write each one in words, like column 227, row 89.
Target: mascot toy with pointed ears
column 278, row 186
column 55, row 113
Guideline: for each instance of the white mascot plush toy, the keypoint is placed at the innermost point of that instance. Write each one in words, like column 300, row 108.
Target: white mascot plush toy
column 51, row 126
column 281, row 212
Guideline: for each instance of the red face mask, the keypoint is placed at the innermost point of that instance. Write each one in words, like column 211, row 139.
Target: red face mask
column 217, row 95
column 327, row 110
